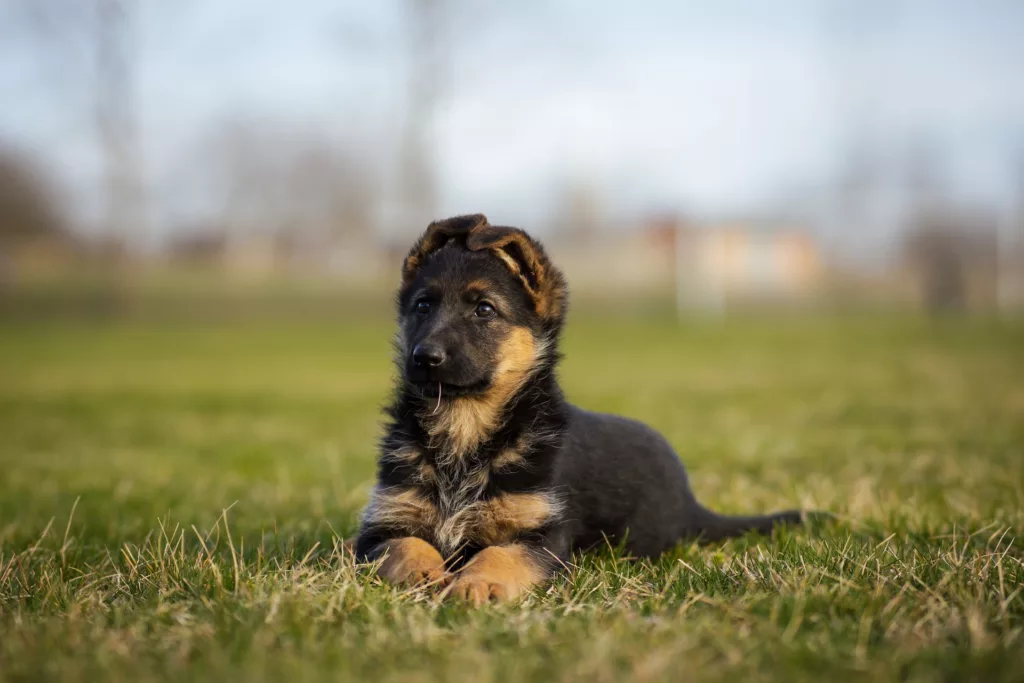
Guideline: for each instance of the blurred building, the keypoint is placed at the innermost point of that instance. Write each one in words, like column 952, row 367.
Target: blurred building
column 748, row 262
column 317, row 144
column 757, row 261
column 708, row 265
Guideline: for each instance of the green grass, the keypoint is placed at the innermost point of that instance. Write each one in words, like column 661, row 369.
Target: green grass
column 172, row 499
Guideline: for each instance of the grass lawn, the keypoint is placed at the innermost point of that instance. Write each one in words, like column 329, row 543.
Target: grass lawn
column 172, row 499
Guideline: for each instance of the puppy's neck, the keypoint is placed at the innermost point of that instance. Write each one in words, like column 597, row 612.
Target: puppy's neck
column 457, row 428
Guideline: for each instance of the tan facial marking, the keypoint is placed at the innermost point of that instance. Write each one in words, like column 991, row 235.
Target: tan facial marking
column 464, row 423
column 477, row 286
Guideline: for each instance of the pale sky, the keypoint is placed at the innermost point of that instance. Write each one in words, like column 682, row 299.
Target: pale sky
column 711, row 107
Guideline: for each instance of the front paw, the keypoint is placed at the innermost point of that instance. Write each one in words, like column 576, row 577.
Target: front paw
column 417, row 575
column 479, row 590
column 497, row 573
column 412, row 562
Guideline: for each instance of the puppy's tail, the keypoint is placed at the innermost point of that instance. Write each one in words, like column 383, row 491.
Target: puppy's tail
column 710, row 527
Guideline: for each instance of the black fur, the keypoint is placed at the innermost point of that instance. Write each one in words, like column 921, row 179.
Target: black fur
column 610, row 479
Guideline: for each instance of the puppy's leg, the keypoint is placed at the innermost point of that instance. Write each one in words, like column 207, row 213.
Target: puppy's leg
column 411, row 561
column 501, row 572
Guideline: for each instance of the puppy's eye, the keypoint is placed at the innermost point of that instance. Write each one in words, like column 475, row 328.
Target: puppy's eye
column 423, row 307
column 484, row 310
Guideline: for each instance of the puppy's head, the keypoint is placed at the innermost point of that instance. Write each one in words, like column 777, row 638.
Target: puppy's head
column 480, row 308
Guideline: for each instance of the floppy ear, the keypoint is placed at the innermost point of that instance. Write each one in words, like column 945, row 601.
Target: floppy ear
column 436, row 236
column 525, row 257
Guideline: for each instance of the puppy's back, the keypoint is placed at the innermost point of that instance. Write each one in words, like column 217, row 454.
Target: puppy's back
column 620, row 474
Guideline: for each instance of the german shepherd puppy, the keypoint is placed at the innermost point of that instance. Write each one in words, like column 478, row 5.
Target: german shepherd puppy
column 488, row 478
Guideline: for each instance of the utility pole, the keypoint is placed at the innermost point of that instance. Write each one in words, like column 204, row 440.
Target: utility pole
column 1010, row 249
column 116, row 122
column 417, row 180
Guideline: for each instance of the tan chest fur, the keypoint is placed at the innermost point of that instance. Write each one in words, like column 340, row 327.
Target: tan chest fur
column 457, row 515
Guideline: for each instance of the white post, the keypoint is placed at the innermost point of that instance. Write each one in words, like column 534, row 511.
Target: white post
column 680, row 277
column 713, row 285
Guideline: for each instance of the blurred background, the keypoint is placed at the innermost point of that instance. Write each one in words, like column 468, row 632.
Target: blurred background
column 675, row 156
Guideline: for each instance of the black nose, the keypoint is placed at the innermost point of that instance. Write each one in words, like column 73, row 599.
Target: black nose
column 427, row 355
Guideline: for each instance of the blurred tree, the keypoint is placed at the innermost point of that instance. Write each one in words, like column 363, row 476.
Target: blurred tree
column 856, row 191
column 117, row 122
column 30, row 210
column 295, row 193
column 68, row 34
column 579, row 213
column 29, row 207
column 1011, row 245
column 425, row 23
column 933, row 254
column 953, row 257
column 926, row 182
column 934, row 246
